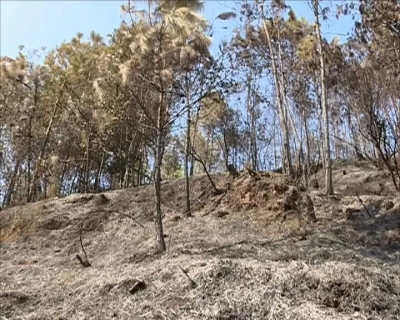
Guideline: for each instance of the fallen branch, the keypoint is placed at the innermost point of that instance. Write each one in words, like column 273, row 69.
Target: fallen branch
column 365, row 207
column 132, row 218
column 139, row 285
column 197, row 157
column 194, row 284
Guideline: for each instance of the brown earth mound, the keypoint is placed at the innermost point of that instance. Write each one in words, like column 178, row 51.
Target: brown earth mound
column 267, row 200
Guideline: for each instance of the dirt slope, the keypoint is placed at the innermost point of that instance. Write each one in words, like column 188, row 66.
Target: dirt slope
column 261, row 250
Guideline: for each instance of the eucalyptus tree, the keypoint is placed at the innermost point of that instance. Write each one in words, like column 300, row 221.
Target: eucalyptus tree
column 323, row 100
column 249, row 71
column 275, row 58
column 267, row 46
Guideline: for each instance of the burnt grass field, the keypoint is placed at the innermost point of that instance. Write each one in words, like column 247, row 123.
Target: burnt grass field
column 263, row 249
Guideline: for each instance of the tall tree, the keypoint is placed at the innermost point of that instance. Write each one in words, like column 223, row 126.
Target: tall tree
column 279, row 91
column 323, row 99
column 163, row 44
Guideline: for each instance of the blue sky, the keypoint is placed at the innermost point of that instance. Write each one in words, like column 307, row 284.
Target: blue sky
column 37, row 24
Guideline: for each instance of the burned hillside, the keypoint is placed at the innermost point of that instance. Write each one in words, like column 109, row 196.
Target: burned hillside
column 258, row 249
column 200, row 160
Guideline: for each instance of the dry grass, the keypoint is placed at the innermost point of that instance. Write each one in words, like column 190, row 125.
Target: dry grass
column 246, row 264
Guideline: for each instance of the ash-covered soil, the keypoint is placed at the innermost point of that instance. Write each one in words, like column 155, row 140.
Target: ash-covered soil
column 262, row 249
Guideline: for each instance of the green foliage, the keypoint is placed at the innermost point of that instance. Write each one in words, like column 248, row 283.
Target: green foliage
column 172, row 168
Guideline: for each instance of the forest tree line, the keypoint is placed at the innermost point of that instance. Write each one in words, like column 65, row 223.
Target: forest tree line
column 152, row 102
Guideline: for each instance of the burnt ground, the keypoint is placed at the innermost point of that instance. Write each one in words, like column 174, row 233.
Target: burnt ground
column 263, row 249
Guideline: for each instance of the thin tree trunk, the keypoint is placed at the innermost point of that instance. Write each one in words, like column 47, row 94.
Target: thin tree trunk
column 140, row 167
column 62, row 177
column 288, row 114
column 157, row 177
column 35, row 102
column 11, row 186
column 42, row 152
column 250, row 103
column 29, row 165
column 324, row 105
column 87, row 167
column 98, row 175
column 73, row 181
column 336, row 142
column 210, row 158
column 81, row 179
column 354, row 136
column 187, row 153
column 207, row 157
column 308, row 163
column 287, row 164
column 274, row 139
